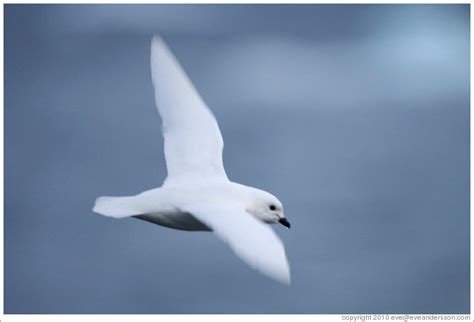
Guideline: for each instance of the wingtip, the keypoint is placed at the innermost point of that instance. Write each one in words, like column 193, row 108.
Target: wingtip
column 156, row 37
column 280, row 273
column 159, row 51
column 282, row 270
column 157, row 41
column 285, row 276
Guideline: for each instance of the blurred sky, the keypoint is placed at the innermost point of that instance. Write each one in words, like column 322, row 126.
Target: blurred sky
column 355, row 116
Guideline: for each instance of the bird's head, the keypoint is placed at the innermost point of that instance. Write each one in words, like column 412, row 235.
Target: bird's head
column 267, row 208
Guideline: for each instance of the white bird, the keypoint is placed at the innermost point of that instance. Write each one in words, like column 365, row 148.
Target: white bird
column 197, row 195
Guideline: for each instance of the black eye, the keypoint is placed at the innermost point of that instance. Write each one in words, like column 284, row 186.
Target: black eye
column 272, row 207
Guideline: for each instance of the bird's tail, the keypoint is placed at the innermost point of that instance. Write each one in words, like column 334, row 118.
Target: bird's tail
column 117, row 207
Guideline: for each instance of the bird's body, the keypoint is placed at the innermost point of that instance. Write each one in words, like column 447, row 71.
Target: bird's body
column 165, row 205
column 197, row 195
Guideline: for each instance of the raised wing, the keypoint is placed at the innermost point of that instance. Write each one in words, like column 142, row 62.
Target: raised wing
column 193, row 141
column 250, row 239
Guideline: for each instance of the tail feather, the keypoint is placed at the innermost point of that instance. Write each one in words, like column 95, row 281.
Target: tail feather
column 116, row 207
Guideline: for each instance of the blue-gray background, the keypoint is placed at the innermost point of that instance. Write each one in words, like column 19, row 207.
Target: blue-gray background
column 356, row 117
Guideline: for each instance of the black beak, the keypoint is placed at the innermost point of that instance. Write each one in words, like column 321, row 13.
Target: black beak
column 284, row 222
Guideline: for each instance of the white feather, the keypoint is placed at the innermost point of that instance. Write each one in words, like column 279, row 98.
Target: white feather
column 193, row 141
column 250, row 239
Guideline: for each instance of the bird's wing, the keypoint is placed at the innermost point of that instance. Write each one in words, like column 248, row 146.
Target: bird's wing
column 250, row 239
column 193, row 141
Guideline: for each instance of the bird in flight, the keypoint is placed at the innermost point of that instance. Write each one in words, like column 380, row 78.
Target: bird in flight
column 197, row 195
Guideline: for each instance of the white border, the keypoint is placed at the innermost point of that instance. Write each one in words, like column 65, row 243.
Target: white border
column 220, row 317
column 237, row 2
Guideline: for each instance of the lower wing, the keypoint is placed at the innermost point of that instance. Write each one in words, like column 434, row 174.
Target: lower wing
column 250, row 239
